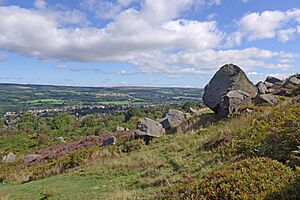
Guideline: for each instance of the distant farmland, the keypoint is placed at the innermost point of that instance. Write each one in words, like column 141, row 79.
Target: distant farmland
column 17, row 97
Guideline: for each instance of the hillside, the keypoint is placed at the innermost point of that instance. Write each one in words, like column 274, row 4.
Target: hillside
column 180, row 162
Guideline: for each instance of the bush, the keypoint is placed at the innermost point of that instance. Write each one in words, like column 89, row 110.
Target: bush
column 275, row 135
column 253, row 178
column 133, row 145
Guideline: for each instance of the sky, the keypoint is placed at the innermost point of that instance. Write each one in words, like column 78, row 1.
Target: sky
column 169, row 43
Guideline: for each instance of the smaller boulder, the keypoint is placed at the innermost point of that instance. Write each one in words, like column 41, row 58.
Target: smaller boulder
column 262, row 89
column 266, row 99
column 109, row 141
column 9, row 158
column 120, row 129
column 232, row 102
column 293, row 80
column 268, row 85
column 61, row 139
column 31, row 158
column 173, row 118
column 149, row 127
column 273, row 80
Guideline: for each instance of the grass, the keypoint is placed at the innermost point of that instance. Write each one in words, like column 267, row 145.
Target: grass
column 148, row 171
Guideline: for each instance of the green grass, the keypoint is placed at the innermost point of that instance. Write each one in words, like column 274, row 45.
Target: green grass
column 148, row 171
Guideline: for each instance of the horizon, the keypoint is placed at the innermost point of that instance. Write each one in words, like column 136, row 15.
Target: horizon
column 129, row 43
column 82, row 86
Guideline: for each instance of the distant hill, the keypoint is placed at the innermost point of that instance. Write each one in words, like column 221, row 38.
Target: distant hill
column 20, row 97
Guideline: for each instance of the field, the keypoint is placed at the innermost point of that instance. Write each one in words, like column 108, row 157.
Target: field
column 24, row 97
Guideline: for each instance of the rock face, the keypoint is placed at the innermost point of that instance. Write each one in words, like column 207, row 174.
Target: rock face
column 232, row 102
column 262, row 88
column 172, row 119
column 230, row 77
column 266, row 99
column 149, row 127
column 9, row 158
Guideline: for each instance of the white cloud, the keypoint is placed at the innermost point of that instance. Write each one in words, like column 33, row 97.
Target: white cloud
column 261, row 26
column 153, row 11
column 60, row 14
column 40, row 4
column 105, row 8
column 127, row 73
column 208, row 61
column 286, row 34
column 160, row 11
column 79, row 69
column 269, row 24
column 121, row 40
column 158, row 44
column 212, row 16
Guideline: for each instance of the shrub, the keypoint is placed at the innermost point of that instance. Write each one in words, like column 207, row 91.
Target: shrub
column 275, row 135
column 253, row 178
column 133, row 145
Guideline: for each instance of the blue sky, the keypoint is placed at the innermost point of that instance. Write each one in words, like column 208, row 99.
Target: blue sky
column 146, row 43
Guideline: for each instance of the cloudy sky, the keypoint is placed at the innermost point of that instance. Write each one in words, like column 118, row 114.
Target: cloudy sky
column 146, row 42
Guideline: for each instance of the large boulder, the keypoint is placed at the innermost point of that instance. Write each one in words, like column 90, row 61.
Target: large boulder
column 173, row 118
column 233, row 102
column 229, row 77
column 9, row 158
column 149, row 127
column 266, row 99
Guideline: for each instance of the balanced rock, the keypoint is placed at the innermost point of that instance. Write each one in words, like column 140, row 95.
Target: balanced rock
column 9, row 158
column 173, row 118
column 149, row 127
column 233, row 101
column 262, row 88
column 229, row 77
column 266, row 99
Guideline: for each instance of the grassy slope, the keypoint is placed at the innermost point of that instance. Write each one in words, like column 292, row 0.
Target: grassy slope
column 164, row 163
